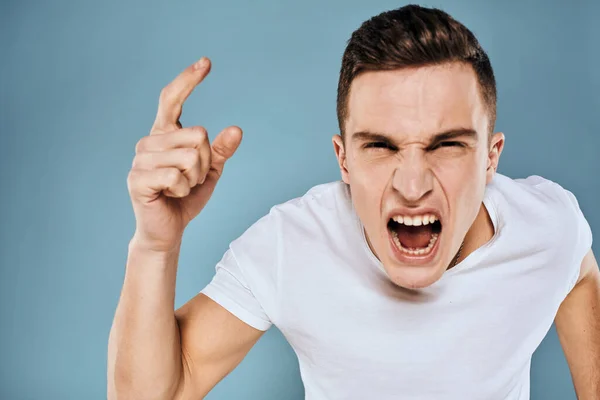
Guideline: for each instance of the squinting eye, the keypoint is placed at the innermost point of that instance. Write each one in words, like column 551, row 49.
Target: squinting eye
column 451, row 144
column 378, row 145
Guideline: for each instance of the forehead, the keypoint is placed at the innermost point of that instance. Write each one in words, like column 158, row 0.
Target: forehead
column 416, row 101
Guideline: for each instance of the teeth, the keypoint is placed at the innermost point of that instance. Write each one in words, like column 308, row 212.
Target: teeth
column 416, row 220
column 413, row 251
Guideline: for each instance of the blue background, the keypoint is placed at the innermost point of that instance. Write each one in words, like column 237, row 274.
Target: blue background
column 79, row 87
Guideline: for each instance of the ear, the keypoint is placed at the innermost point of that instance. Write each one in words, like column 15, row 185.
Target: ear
column 496, row 146
column 340, row 153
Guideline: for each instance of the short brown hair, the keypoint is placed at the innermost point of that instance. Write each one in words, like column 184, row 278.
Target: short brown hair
column 413, row 36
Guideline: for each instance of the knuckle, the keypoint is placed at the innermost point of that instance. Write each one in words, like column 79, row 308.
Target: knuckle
column 132, row 178
column 172, row 176
column 201, row 132
column 141, row 144
column 191, row 156
column 201, row 138
column 137, row 162
column 219, row 148
column 166, row 94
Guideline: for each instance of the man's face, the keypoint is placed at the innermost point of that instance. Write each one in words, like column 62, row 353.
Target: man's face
column 416, row 147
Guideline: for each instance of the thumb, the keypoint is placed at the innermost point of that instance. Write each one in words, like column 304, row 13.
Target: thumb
column 224, row 145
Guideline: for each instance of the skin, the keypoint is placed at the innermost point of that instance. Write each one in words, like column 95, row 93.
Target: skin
column 578, row 328
column 403, row 168
column 156, row 353
column 153, row 352
column 408, row 107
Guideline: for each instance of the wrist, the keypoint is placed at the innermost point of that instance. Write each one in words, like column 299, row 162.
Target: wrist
column 144, row 253
column 139, row 244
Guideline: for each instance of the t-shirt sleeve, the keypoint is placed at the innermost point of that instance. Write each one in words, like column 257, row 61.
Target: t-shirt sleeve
column 230, row 289
column 583, row 234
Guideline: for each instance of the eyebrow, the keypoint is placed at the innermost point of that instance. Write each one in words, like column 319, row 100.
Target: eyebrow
column 455, row 133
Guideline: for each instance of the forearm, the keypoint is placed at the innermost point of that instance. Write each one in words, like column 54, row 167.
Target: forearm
column 144, row 359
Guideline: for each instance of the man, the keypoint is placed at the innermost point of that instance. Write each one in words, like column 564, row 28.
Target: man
column 424, row 274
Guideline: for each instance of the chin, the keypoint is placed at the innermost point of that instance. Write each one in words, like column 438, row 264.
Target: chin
column 412, row 277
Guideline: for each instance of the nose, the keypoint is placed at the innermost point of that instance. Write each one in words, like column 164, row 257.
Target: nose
column 413, row 178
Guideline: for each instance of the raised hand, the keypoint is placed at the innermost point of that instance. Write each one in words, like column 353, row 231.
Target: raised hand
column 175, row 169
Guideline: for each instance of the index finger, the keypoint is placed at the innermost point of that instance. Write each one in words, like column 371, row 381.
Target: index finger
column 175, row 93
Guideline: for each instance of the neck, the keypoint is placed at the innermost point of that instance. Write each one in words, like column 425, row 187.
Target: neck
column 481, row 231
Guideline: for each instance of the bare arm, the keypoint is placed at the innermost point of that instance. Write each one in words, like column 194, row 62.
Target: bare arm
column 156, row 353
column 213, row 343
column 153, row 351
column 144, row 356
column 578, row 327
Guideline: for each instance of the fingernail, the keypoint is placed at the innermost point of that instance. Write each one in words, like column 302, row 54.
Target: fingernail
column 201, row 63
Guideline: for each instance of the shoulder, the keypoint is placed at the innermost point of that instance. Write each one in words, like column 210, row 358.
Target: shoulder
column 316, row 204
column 556, row 196
column 542, row 208
column 289, row 231
column 547, row 210
column 537, row 194
column 301, row 218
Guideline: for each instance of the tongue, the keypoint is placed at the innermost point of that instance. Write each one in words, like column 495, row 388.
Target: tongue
column 414, row 236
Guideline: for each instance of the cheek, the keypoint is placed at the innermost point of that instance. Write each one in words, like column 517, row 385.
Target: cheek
column 367, row 184
column 368, row 169
column 463, row 181
column 466, row 169
column 369, row 177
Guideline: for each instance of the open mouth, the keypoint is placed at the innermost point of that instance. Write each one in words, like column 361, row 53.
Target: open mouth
column 415, row 235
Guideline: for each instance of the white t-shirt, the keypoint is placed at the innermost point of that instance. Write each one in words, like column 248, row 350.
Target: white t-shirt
column 306, row 267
